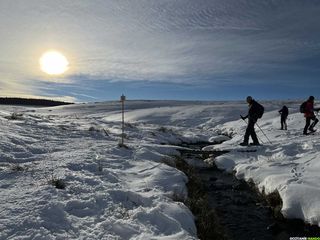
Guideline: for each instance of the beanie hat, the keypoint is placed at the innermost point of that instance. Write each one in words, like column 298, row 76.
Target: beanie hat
column 311, row 98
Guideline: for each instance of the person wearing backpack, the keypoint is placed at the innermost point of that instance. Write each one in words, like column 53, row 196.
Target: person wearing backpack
column 255, row 111
column 308, row 109
column 284, row 114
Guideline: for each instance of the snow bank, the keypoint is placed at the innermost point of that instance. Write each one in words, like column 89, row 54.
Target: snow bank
column 111, row 192
column 290, row 164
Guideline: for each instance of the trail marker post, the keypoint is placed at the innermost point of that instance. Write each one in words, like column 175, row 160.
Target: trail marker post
column 122, row 99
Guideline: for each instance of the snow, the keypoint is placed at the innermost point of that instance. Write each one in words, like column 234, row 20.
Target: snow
column 130, row 193
column 290, row 164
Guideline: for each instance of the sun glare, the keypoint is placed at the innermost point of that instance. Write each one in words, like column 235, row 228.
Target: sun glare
column 53, row 63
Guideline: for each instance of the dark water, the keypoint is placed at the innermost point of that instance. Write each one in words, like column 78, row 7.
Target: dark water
column 242, row 211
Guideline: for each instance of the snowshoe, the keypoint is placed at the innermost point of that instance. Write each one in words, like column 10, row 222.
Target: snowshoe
column 243, row 144
column 312, row 130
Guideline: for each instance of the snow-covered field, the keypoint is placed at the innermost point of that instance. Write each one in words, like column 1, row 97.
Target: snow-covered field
column 119, row 193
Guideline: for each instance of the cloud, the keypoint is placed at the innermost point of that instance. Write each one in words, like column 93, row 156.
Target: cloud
column 32, row 89
column 183, row 41
column 177, row 41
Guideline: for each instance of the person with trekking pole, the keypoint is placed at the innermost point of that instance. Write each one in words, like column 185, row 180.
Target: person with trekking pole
column 308, row 109
column 284, row 114
column 255, row 111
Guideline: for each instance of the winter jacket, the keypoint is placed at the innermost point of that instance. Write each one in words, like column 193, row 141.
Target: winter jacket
column 284, row 111
column 253, row 111
column 309, row 109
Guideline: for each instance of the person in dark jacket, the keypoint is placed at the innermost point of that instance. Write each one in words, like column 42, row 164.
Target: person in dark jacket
column 252, row 119
column 309, row 115
column 284, row 114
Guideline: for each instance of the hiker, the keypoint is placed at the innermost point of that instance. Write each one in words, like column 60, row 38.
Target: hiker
column 284, row 114
column 309, row 115
column 255, row 112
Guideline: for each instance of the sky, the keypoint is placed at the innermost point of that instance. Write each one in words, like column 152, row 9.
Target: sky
column 162, row 49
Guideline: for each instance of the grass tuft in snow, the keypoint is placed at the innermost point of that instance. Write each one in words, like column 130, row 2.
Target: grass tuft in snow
column 165, row 130
column 17, row 168
column 275, row 202
column 122, row 145
column 207, row 221
column 15, row 116
column 58, row 183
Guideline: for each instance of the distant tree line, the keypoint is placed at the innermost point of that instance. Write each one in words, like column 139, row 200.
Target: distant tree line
column 30, row 101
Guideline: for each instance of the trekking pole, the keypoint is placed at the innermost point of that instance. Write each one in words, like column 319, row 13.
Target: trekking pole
column 263, row 133
column 257, row 135
column 122, row 99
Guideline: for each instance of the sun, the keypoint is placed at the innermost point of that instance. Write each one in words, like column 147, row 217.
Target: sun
column 53, row 63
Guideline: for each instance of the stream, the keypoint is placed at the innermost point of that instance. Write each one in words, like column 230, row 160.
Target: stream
column 242, row 211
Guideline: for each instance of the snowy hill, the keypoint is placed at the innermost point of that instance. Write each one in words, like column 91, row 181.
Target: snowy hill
column 289, row 164
column 114, row 192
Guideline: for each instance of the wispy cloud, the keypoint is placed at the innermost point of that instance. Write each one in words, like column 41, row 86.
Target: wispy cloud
column 175, row 40
column 183, row 41
column 30, row 89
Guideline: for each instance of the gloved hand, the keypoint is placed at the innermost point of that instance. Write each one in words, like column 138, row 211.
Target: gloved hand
column 242, row 117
